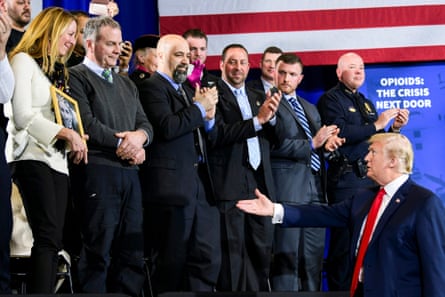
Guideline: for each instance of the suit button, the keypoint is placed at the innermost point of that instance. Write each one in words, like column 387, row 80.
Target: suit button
column 195, row 165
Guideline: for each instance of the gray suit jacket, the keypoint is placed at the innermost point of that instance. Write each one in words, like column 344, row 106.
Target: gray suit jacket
column 291, row 160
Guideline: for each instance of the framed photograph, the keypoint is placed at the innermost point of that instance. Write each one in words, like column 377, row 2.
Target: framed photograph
column 66, row 110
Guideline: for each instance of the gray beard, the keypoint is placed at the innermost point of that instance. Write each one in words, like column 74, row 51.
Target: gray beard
column 179, row 76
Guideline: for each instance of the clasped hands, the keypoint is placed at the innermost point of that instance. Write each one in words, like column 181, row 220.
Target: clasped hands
column 327, row 136
column 208, row 98
column 400, row 116
column 131, row 146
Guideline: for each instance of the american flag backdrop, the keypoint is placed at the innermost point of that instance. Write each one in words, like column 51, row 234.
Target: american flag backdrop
column 317, row 30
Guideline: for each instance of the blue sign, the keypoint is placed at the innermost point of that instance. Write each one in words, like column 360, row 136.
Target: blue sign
column 420, row 88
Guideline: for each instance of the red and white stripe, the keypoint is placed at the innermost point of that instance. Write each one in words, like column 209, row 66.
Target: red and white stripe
column 318, row 31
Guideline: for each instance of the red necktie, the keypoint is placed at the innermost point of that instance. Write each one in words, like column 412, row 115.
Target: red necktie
column 369, row 226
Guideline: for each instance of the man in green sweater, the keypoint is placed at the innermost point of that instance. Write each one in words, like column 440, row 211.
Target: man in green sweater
column 107, row 189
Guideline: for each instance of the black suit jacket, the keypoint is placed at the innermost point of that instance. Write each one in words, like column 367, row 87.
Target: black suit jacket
column 291, row 159
column 171, row 162
column 256, row 84
column 228, row 157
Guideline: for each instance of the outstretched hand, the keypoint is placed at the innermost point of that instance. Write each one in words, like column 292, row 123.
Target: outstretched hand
column 260, row 206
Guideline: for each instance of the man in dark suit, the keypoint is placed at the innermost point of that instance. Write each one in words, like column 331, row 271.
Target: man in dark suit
column 267, row 66
column 183, row 228
column 357, row 118
column 197, row 72
column 240, row 162
column 298, row 252
column 404, row 255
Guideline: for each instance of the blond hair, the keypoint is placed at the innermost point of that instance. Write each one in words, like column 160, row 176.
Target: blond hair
column 40, row 40
column 397, row 146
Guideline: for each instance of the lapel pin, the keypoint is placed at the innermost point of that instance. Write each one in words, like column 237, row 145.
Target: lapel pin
column 397, row 200
column 258, row 103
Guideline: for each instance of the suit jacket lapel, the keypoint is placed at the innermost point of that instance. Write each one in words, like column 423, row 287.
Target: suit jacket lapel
column 171, row 89
column 396, row 201
column 365, row 205
column 310, row 120
column 254, row 101
column 226, row 97
column 286, row 105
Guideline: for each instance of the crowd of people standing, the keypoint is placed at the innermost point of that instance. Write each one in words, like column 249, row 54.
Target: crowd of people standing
column 171, row 152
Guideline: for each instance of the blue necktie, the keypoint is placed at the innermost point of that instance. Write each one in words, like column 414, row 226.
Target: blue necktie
column 253, row 144
column 315, row 159
column 107, row 75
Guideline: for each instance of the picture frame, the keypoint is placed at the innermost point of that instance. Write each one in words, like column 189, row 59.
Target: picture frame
column 66, row 110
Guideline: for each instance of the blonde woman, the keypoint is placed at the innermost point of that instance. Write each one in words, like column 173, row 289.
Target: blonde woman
column 36, row 144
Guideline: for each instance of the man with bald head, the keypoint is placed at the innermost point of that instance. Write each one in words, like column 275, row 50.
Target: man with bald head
column 357, row 118
column 183, row 227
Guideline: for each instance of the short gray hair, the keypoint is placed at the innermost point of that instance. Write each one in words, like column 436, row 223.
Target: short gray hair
column 93, row 26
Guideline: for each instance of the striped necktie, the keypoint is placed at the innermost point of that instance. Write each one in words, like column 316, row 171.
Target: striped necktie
column 315, row 159
column 106, row 74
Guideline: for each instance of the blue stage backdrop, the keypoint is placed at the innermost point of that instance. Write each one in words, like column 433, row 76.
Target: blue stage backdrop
column 421, row 89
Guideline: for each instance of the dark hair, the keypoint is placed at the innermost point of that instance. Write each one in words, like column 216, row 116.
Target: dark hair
column 195, row 32
column 233, row 45
column 289, row 58
column 272, row 50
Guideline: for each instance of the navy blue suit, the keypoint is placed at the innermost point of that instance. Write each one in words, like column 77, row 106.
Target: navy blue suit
column 182, row 226
column 406, row 255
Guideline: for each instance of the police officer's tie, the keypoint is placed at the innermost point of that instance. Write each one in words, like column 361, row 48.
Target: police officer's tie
column 253, row 144
column 315, row 159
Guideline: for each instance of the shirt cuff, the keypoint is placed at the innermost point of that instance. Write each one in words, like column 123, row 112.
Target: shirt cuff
column 201, row 108
column 273, row 121
column 278, row 213
column 256, row 124
column 208, row 125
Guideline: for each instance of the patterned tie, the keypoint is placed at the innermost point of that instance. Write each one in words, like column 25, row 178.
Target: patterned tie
column 198, row 134
column 107, row 75
column 315, row 159
column 367, row 232
column 253, row 144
